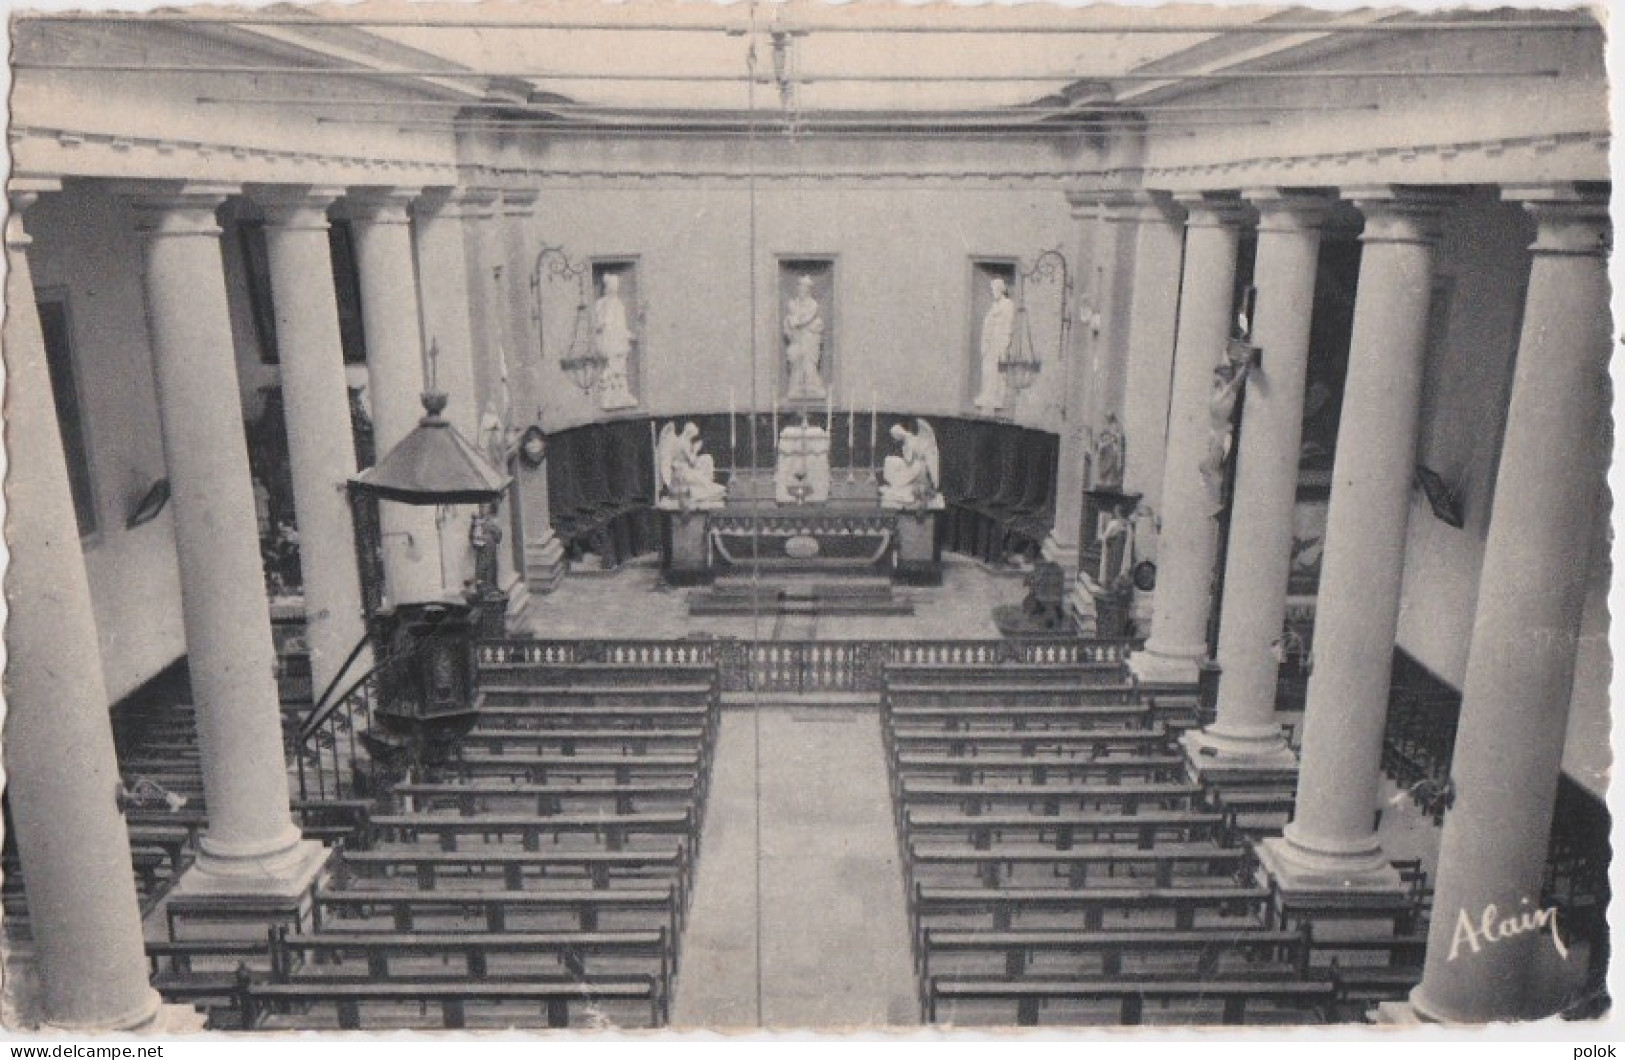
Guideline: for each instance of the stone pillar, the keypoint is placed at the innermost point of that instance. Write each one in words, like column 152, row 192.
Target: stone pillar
column 1178, row 641
column 60, row 764
column 321, row 449
column 544, row 554
column 1331, row 844
column 252, row 845
column 444, row 287
column 1153, row 313
column 1061, row 544
column 396, row 364
column 1260, row 549
column 1520, row 668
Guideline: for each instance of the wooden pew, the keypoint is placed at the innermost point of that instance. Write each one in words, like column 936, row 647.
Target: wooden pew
column 513, row 867
column 1061, row 830
column 1074, row 866
column 1312, row 998
column 1014, row 695
column 612, row 829
column 269, row 1006
column 540, row 715
column 1040, row 771
column 1017, row 951
column 546, row 799
column 1049, row 798
column 384, row 955
column 1004, row 908
column 571, row 741
column 652, row 905
column 537, row 769
column 1098, row 743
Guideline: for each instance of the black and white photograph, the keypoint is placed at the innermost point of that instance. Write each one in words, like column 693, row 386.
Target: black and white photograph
column 571, row 517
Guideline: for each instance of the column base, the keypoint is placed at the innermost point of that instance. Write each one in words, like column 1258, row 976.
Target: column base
column 1397, row 1014
column 286, row 875
column 1063, row 553
column 1218, row 757
column 544, row 564
column 1155, row 667
column 518, row 593
column 1299, row 872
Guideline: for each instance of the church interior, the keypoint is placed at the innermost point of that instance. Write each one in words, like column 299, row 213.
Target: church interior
column 570, row 515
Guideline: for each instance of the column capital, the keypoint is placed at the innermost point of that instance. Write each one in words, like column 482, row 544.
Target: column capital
column 1289, row 209
column 180, row 208
column 295, row 206
column 21, row 193
column 379, row 205
column 1569, row 218
column 1398, row 214
column 1204, row 209
column 519, row 200
column 458, row 201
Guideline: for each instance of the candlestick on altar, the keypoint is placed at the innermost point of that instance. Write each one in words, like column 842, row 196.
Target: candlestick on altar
column 851, row 450
column 733, row 432
column 874, row 404
column 775, row 420
column 829, row 411
column 654, row 446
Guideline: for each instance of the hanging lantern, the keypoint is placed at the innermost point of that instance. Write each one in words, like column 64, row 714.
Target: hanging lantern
column 582, row 360
column 1019, row 367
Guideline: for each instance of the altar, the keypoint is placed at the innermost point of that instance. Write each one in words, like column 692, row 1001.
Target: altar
column 848, row 532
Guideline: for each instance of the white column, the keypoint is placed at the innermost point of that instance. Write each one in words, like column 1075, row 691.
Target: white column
column 1260, row 549
column 1331, row 843
column 321, row 449
column 1061, row 544
column 443, row 279
column 395, row 375
column 1153, row 315
column 1520, row 668
column 60, row 765
column 1178, row 641
column 252, row 845
column 544, row 554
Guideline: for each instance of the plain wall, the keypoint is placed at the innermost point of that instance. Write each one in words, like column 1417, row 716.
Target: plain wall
column 85, row 245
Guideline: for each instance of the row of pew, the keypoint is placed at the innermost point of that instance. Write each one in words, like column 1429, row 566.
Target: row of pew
column 538, row 876
column 1062, row 868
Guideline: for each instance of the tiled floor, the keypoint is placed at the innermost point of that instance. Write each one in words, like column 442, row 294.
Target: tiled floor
column 633, row 604
column 798, row 918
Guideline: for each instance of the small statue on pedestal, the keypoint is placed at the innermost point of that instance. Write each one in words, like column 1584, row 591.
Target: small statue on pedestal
column 911, row 477
column 687, row 476
column 615, row 340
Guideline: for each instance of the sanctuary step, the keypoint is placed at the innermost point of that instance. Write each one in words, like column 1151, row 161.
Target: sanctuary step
column 852, row 596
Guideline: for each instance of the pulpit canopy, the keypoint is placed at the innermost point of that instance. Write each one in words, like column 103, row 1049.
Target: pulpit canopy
column 434, row 465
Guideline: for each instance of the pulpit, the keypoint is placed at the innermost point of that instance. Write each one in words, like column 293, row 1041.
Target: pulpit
column 802, row 474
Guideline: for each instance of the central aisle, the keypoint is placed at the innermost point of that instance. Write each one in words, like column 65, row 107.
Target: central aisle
column 798, row 917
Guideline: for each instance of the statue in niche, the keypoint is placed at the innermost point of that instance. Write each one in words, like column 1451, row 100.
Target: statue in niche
column 614, row 338
column 688, row 477
column 911, row 475
column 998, row 327
column 1109, row 456
column 804, row 342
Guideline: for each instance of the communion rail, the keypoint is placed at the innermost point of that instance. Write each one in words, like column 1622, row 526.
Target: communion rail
column 803, row 666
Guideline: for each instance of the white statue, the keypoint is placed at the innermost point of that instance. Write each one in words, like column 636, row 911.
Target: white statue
column 614, row 340
column 687, row 476
column 912, row 475
column 998, row 326
column 804, row 342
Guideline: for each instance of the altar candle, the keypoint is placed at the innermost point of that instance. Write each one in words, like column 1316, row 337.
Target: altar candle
column 874, row 405
column 733, row 429
column 829, row 411
column 775, row 418
column 851, row 420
